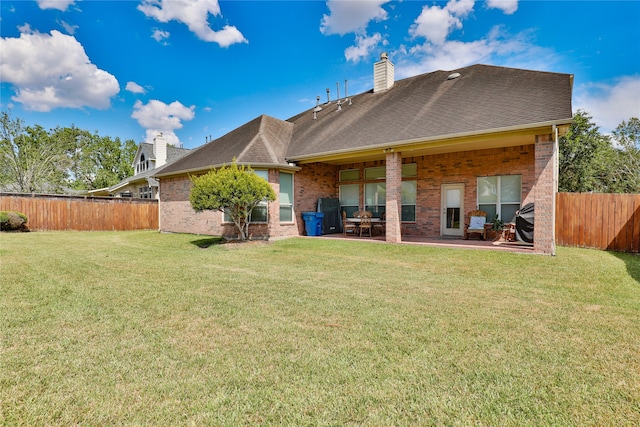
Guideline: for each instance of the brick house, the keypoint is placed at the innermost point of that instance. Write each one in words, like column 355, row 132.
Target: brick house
column 425, row 150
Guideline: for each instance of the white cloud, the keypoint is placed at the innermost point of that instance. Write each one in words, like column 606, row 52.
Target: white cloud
column 156, row 117
column 435, row 23
column 363, row 48
column 159, row 35
column 610, row 104
column 195, row 15
column 52, row 71
column 134, row 87
column 497, row 47
column 351, row 16
column 507, row 6
column 70, row 29
column 55, row 4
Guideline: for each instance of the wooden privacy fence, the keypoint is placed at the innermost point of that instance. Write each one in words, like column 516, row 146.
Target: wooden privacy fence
column 58, row 212
column 601, row 221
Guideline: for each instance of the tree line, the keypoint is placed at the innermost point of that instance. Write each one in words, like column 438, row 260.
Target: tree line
column 593, row 162
column 60, row 160
column 66, row 160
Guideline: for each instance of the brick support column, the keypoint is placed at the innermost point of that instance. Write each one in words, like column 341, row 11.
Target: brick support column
column 394, row 196
column 273, row 215
column 544, row 233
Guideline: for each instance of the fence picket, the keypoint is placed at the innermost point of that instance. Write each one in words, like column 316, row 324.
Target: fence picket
column 59, row 212
column 600, row 221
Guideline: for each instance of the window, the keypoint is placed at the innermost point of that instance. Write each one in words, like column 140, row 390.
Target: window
column 378, row 172
column 259, row 212
column 350, row 198
column 500, row 195
column 409, row 191
column 143, row 165
column 286, row 197
column 409, row 170
column 349, row 175
column 375, row 192
column 145, row 192
column 375, row 198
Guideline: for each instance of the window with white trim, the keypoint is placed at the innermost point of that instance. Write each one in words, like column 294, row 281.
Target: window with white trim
column 375, row 193
column 500, row 195
column 376, row 199
column 145, row 192
column 349, row 198
column 286, row 197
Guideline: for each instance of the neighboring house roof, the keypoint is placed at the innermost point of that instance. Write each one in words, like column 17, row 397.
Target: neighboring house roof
column 475, row 100
column 173, row 154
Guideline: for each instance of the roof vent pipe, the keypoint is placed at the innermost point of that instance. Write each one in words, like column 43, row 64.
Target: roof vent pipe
column 346, row 91
column 328, row 98
column 317, row 108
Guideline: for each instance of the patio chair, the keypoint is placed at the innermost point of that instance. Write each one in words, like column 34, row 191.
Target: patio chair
column 348, row 227
column 365, row 223
column 477, row 220
column 509, row 232
column 381, row 225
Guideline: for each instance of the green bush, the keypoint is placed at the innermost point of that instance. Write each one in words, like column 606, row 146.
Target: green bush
column 13, row 221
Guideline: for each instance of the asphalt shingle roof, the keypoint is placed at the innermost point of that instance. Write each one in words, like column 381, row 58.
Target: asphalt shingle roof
column 261, row 141
column 429, row 106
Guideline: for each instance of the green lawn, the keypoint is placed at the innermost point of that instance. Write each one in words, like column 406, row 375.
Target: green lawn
column 142, row 328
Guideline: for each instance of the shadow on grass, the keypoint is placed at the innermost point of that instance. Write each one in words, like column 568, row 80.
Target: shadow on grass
column 209, row 241
column 632, row 261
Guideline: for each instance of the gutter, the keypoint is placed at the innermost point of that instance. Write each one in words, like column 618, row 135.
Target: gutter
column 280, row 166
column 414, row 141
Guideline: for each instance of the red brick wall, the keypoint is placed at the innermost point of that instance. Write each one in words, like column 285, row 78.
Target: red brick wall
column 312, row 182
column 177, row 215
column 318, row 180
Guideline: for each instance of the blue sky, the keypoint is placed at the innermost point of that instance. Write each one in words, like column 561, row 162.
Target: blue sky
column 195, row 69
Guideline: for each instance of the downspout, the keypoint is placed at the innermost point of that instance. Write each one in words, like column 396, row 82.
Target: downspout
column 556, row 161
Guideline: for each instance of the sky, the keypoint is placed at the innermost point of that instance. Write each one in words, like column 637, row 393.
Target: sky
column 197, row 69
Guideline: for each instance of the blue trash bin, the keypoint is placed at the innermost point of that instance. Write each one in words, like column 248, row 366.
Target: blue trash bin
column 313, row 226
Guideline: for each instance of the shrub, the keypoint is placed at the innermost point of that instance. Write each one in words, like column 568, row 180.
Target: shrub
column 13, row 221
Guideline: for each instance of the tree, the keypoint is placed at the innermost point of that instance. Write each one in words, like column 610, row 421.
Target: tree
column 234, row 190
column 97, row 162
column 30, row 161
column 585, row 157
column 627, row 161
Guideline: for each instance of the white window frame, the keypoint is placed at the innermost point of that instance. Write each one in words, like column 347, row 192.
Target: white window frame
column 287, row 206
column 499, row 203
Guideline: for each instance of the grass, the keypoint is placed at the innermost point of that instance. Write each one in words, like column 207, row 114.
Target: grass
column 141, row 328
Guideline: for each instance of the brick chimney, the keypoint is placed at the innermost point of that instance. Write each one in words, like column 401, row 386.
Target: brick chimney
column 383, row 75
column 160, row 150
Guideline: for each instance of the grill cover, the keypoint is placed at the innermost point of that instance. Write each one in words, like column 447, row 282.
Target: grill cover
column 524, row 224
column 332, row 221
